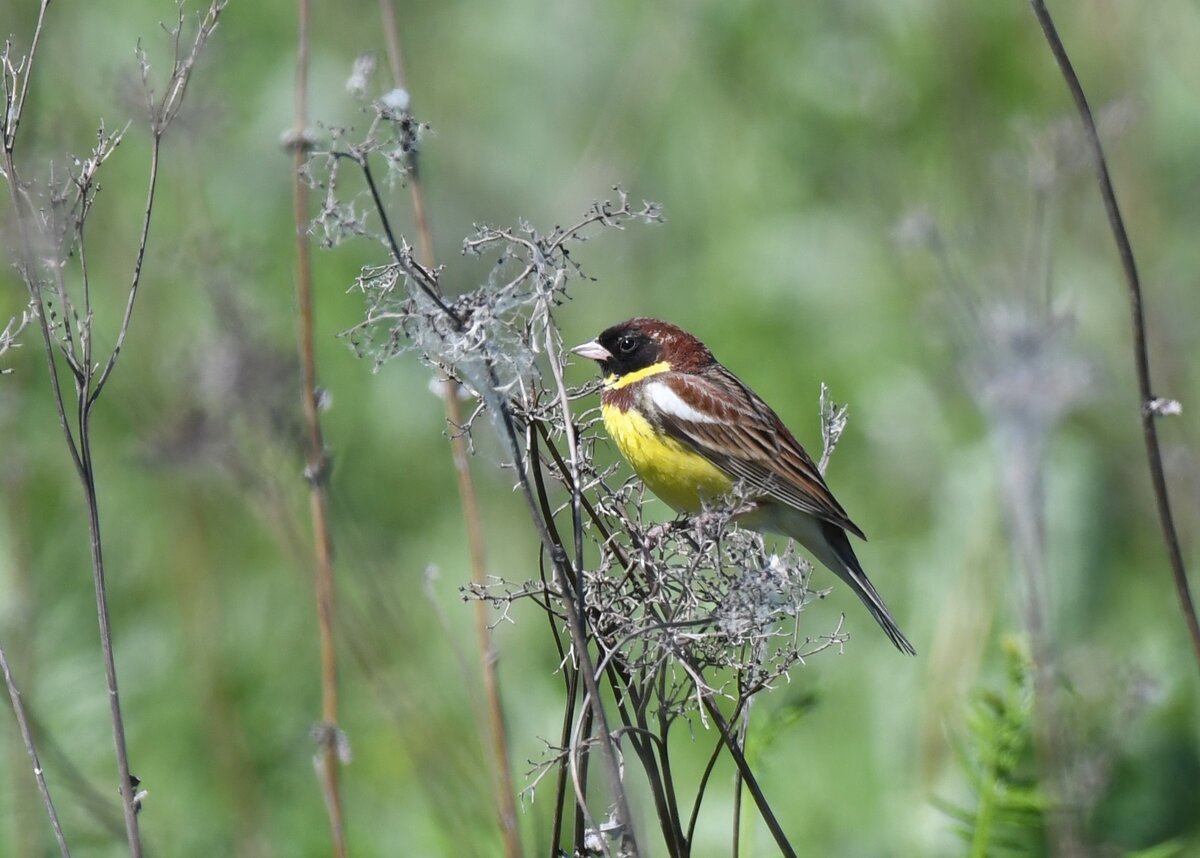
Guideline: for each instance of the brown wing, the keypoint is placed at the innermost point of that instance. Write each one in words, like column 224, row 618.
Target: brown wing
column 713, row 413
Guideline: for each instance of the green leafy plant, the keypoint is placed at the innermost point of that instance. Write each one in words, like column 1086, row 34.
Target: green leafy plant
column 1009, row 811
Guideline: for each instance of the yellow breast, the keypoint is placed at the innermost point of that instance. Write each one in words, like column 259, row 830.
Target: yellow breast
column 681, row 478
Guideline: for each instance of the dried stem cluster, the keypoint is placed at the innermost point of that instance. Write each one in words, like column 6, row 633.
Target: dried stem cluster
column 656, row 625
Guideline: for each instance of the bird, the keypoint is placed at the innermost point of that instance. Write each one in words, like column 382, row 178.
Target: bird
column 691, row 429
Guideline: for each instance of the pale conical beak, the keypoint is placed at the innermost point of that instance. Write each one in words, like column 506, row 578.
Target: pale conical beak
column 593, row 351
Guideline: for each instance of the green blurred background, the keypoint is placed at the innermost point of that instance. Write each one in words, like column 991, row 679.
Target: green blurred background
column 787, row 143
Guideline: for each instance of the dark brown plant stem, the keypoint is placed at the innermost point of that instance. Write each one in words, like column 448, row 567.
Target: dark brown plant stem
column 622, row 687
column 428, row 281
column 576, row 606
column 731, row 742
column 495, row 730
column 560, row 787
column 86, row 395
column 570, row 673
column 564, row 576
column 736, row 834
column 668, row 789
column 1137, row 318
column 110, row 668
column 708, row 770
column 30, row 748
column 317, row 464
column 78, row 445
column 581, row 816
column 657, row 768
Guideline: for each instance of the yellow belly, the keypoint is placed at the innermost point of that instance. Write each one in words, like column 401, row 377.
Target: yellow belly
column 678, row 476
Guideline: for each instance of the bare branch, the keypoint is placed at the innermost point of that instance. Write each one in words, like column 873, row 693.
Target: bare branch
column 10, row 336
column 1137, row 320
column 16, row 81
column 164, row 112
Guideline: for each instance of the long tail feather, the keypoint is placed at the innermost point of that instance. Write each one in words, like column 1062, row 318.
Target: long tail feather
column 829, row 544
column 847, row 567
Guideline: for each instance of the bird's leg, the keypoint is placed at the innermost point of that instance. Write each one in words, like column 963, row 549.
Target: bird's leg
column 712, row 520
column 660, row 532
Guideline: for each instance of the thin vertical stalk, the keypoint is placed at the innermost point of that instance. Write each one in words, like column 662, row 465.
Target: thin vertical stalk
column 86, row 394
column 79, row 446
column 1147, row 409
column 128, row 803
column 495, row 728
column 751, row 782
column 23, row 620
column 575, row 603
column 743, row 721
column 30, row 748
column 89, row 378
column 982, row 834
column 316, row 470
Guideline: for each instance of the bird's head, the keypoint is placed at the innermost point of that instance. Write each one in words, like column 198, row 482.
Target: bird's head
column 641, row 343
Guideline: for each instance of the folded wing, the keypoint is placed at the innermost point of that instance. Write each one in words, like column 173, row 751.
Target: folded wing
column 714, row 414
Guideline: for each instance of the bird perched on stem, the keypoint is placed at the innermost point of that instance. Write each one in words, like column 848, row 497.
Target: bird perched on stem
column 692, row 429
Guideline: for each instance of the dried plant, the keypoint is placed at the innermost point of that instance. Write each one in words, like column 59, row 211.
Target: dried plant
column 665, row 623
column 52, row 260
column 333, row 745
column 11, row 333
column 1150, row 406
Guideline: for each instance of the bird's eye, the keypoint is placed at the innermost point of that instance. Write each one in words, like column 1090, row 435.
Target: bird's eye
column 627, row 345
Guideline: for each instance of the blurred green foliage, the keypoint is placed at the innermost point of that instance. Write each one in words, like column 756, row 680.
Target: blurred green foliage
column 1007, row 816
column 787, row 141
